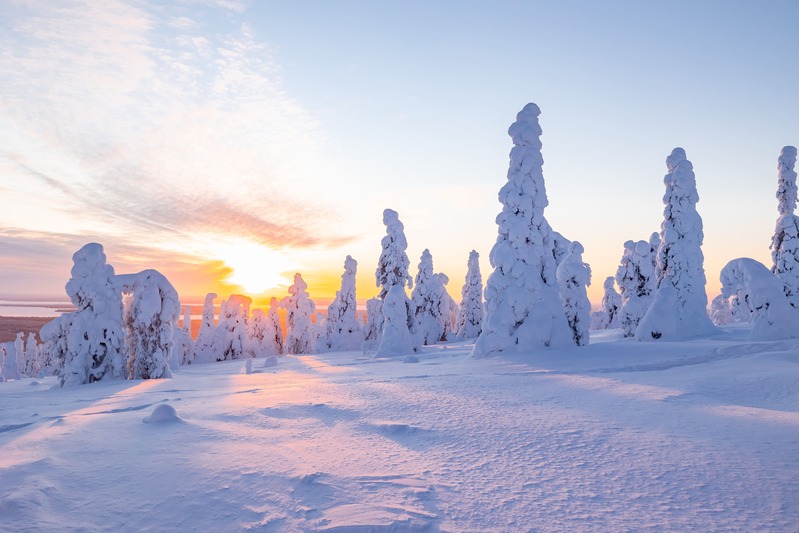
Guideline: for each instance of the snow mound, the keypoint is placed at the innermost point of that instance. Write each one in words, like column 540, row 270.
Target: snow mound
column 163, row 414
column 410, row 359
column 270, row 361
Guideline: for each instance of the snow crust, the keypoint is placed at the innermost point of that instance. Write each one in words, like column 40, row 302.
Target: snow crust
column 615, row 436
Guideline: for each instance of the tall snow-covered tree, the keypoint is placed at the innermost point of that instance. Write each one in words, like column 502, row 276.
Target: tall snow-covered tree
column 470, row 313
column 208, row 344
column 637, row 280
column 234, row 313
column 721, row 311
column 607, row 316
column 773, row 317
column 396, row 338
column 574, row 276
column 95, row 343
column 300, row 334
column 523, row 310
column 151, row 312
column 342, row 331
column 274, row 329
column 392, row 267
column 425, row 300
column 679, row 310
column 785, row 242
column 187, row 321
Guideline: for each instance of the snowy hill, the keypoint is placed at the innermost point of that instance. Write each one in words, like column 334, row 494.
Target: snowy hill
column 616, row 436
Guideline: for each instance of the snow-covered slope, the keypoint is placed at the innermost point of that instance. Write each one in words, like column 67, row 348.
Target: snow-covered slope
column 615, row 436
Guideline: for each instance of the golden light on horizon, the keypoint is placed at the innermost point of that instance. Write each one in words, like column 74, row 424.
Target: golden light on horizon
column 255, row 268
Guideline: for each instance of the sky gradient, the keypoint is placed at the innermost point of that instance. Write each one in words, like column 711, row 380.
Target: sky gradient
column 225, row 142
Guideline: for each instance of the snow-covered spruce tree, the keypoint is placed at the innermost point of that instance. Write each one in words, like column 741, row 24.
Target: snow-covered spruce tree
column 523, row 310
column 396, row 338
column 637, row 280
column 374, row 325
column 95, row 344
column 679, row 310
column 151, row 312
column 9, row 361
column 234, row 313
column 447, row 308
column 20, row 355
column 470, row 315
column 274, row 329
column 607, row 316
column 183, row 347
column 300, row 338
column 208, row 343
column 773, row 317
column 55, row 335
column 33, row 363
column 342, row 331
column 574, row 276
column 392, row 267
column 259, row 331
column 785, row 242
column 425, row 304
column 721, row 311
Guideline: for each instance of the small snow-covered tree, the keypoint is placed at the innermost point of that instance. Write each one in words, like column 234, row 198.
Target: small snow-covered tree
column 560, row 246
column 392, row 267
column 574, row 276
column 523, row 310
column 607, row 316
column 448, row 308
column 95, row 343
column 234, row 314
column 55, row 335
column 773, row 317
column 721, row 311
column 785, row 242
column 342, row 331
column 300, row 335
column 396, row 338
column 208, row 344
column 425, row 300
column 151, row 312
column 274, row 330
column 258, row 333
column 186, row 326
column 470, row 313
column 374, row 326
column 9, row 357
column 680, row 260
column 637, row 280
column 31, row 358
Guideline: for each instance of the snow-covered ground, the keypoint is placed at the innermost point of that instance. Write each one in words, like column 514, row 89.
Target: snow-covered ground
column 616, row 436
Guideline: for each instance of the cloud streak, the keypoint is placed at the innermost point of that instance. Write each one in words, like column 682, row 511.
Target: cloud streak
column 139, row 119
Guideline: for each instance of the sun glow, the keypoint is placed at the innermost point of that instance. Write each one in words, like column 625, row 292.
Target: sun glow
column 255, row 268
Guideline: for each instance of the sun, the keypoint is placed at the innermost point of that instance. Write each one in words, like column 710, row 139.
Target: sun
column 255, row 268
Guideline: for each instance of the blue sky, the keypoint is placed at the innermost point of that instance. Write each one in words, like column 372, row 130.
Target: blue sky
column 202, row 138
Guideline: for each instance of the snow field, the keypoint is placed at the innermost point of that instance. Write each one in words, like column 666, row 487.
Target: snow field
column 615, row 436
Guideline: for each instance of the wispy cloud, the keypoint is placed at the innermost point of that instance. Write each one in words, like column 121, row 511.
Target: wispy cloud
column 146, row 121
